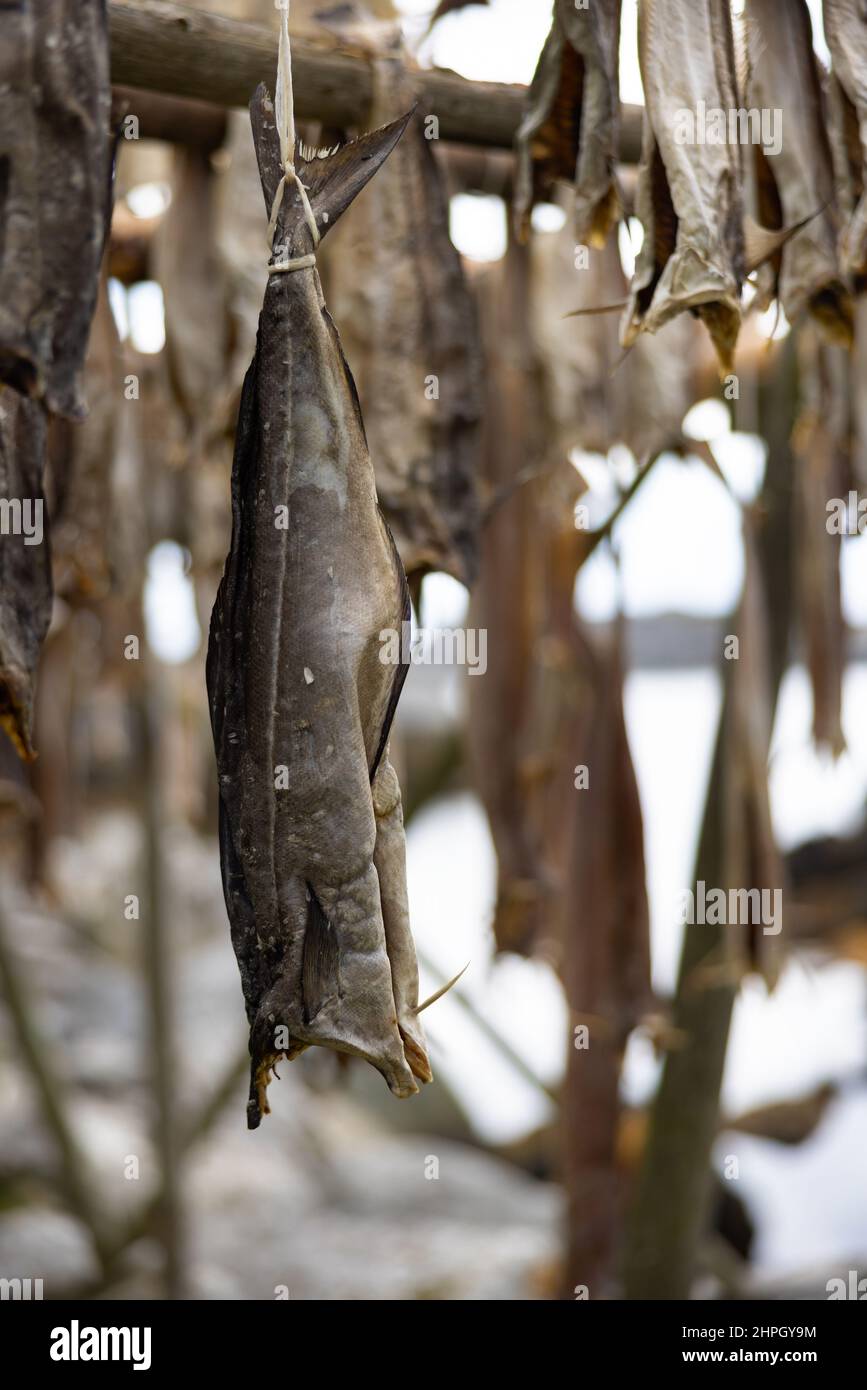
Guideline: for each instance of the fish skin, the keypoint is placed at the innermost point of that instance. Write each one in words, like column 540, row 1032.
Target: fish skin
column 571, row 123
column 81, row 472
column 57, row 152
column 688, row 196
column 505, row 600
column 25, row 570
column 784, row 75
column 821, row 445
column 407, row 315
column 314, row 874
column 845, row 24
column 750, row 853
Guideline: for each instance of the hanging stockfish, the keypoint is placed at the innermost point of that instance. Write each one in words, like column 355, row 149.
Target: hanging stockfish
column 302, row 689
column 506, row 600
column 792, row 162
column 56, row 156
column 188, row 268
column 571, row 125
column 752, row 865
column 845, row 23
column 698, row 244
column 408, row 323
column 82, row 465
column 594, row 396
column 25, row 562
column 820, row 443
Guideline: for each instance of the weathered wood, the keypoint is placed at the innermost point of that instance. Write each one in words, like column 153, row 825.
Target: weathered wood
column 669, row 1214
column 169, row 48
column 177, row 120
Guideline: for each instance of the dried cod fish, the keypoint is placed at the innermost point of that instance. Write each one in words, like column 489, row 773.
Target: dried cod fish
column 594, row 396
column 820, row 444
column 313, row 871
column 529, row 719
column 578, row 355
column 81, row 466
column 609, row 975
column 606, row 969
column 408, row 323
column 845, row 23
column 55, row 153
column 796, row 184
column 698, row 243
column 189, row 270
column 25, row 562
column 688, row 199
column 505, row 600
column 857, row 396
column 751, row 860
column 571, row 124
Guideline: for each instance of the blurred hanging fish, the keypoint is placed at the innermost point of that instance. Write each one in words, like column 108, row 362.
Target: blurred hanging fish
column 56, row 165
column 55, row 192
column 301, row 698
column 797, row 180
column 25, row 562
column 845, row 23
column 571, row 124
column 408, row 321
column 699, row 244
column 81, row 477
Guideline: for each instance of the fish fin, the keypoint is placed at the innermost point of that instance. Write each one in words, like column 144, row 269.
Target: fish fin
column 761, row 243
column 266, row 142
column 319, row 967
column 443, row 989
column 332, row 178
column 335, row 178
column 402, row 667
column 596, row 309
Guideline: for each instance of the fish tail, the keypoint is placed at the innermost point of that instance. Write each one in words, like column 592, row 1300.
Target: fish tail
column 331, row 178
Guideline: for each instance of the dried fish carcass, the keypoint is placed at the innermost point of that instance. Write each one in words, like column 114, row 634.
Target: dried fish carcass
column 506, row 600
column 689, row 187
column 25, row 562
column 845, row 25
column 570, row 128
column 409, row 327
column 55, row 149
column 82, row 466
column 301, row 698
column 793, row 169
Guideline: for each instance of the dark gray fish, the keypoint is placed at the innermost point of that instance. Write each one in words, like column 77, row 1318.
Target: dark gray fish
column 314, row 870
column 56, row 163
column 25, row 562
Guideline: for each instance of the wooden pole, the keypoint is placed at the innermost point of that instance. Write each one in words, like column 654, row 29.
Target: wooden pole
column 669, row 1216
column 181, row 52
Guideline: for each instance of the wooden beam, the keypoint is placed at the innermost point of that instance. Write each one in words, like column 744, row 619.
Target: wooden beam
column 168, row 48
column 177, row 120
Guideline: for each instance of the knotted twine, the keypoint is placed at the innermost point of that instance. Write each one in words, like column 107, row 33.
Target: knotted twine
column 284, row 111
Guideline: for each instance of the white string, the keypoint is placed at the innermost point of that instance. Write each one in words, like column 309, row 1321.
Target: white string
column 284, row 111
